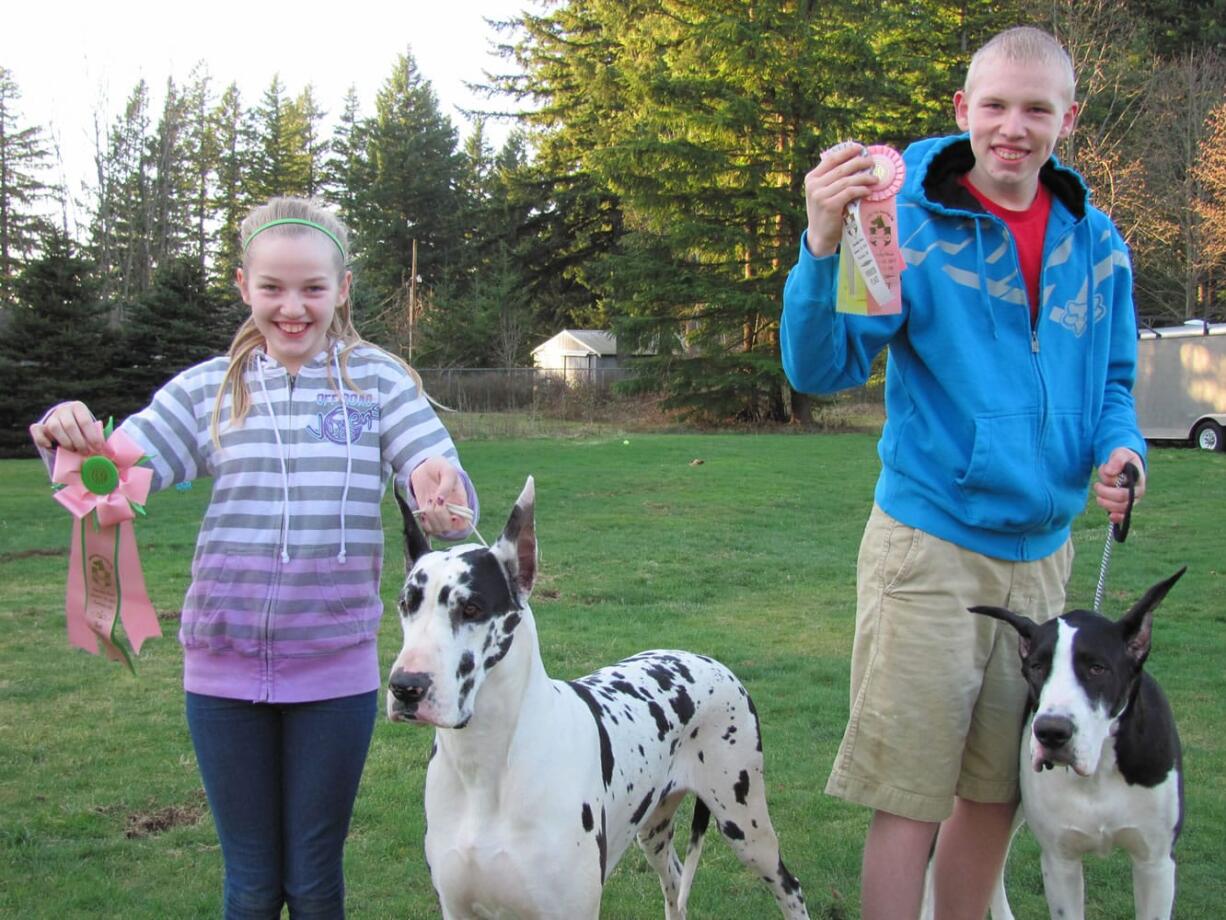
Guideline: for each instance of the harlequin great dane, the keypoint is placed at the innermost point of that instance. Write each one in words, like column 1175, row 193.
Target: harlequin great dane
column 535, row 786
column 1100, row 760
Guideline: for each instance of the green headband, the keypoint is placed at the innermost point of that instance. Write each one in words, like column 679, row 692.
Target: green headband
column 301, row 222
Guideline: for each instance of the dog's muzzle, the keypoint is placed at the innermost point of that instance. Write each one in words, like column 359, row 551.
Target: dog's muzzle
column 408, row 688
column 1053, row 734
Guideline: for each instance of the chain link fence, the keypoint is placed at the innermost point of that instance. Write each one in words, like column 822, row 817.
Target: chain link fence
column 524, row 400
column 522, row 389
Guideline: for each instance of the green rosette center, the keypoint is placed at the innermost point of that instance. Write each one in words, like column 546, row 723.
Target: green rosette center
column 99, row 475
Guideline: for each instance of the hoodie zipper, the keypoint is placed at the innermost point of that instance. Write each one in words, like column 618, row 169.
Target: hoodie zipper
column 1036, row 365
column 1044, row 407
column 275, row 587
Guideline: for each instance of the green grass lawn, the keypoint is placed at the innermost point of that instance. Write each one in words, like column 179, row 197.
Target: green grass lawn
column 748, row 556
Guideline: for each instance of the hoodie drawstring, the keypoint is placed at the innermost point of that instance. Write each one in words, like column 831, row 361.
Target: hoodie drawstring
column 985, row 296
column 340, row 388
column 276, row 430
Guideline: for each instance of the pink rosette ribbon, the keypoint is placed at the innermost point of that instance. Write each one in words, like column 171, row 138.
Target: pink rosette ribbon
column 105, row 582
column 871, row 262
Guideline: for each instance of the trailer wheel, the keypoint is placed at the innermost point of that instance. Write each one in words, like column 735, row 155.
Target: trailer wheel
column 1208, row 435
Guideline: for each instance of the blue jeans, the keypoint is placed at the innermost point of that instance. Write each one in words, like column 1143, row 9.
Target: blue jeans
column 281, row 780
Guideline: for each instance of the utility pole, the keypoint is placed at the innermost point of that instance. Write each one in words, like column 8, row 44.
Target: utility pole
column 412, row 299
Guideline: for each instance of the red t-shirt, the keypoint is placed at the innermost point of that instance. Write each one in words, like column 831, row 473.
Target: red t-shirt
column 1028, row 227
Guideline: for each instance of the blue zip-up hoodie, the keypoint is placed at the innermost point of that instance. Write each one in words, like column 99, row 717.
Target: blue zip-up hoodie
column 992, row 427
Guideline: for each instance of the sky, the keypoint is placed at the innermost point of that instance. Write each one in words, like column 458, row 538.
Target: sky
column 72, row 59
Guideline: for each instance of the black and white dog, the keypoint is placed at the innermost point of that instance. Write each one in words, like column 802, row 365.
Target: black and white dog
column 1100, row 758
column 536, row 787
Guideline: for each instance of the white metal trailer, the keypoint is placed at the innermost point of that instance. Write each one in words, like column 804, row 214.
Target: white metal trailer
column 1181, row 384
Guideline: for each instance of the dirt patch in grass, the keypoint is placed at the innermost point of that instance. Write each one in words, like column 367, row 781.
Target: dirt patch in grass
column 30, row 553
column 160, row 820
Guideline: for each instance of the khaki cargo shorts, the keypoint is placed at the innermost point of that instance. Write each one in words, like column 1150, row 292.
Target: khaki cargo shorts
column 937, row 694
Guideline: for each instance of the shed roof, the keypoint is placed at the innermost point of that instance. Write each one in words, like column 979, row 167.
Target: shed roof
column 585, row 341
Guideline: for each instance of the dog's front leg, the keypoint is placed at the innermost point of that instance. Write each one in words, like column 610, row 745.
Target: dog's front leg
column 1064, row 885
column 1153, row 887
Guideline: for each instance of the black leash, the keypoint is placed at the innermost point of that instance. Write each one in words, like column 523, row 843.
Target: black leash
column 1117, row 532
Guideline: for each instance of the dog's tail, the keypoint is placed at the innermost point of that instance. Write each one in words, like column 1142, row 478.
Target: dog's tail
column 702, row 817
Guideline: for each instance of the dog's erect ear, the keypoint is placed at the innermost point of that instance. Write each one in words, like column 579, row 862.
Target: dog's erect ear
column 1138, row 623
column 516, row 546
column 1024, row 625
column 416, row 543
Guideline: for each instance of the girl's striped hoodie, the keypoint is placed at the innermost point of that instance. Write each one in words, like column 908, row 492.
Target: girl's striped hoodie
column 284, row 600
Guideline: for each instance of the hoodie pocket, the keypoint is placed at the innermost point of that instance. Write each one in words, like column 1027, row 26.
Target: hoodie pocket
column 1068, row 458
column 1002, row 487
column 339, row 608
column 255, row 605
column 1021, row 479
column 225, row 606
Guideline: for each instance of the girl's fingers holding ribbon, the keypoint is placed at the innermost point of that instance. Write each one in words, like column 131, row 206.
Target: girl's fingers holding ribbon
column 436, row 483
column 38, row 433
column 71, row 426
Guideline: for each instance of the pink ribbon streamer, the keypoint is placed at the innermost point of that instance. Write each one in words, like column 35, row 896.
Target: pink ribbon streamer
column 105, row 582
column 879, row 224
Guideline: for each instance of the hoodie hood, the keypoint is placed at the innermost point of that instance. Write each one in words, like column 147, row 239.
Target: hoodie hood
column 935, row 167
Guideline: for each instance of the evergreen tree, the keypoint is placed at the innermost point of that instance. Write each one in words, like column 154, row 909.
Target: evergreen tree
column 697, row 124
column 176, row 323
column 56, row 344
column 1178, row 27
column 120, row 233
column 23, row 158
column 344, row 169
column 411, row 170
column 484, row 317
column 306, row 121
column 200, row 151
column 172, row 182
column 569, row 95
column 280, row 163
column 231, row 200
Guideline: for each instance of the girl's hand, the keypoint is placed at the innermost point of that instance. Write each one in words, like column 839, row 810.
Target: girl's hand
column 842, row 176
column 69, row 425
column 436, row 483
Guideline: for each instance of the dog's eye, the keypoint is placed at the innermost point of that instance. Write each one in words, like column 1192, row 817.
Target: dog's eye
column 470, row 611
column 1096, row 670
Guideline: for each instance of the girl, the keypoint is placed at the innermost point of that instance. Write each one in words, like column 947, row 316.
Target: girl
column 300, row 426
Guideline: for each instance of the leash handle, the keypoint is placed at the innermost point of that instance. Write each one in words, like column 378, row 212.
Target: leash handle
column 461, row 512
column 1127, row 477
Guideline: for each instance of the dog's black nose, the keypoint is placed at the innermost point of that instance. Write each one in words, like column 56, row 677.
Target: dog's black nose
column 1053, row 731
column 409, row 687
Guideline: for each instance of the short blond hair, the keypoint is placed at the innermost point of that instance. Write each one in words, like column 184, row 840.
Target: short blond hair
column 1026, row 44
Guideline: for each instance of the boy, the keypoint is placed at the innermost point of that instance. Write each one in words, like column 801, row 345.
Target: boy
column 996, row 416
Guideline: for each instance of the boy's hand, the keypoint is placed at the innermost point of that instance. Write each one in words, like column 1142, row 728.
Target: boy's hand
column 436, row 483
column 842, row 176
column 1112, row 498
column 69, row 425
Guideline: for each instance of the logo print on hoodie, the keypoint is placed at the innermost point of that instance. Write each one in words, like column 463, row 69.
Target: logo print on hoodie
column 1074, row 315
column 330, row 423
